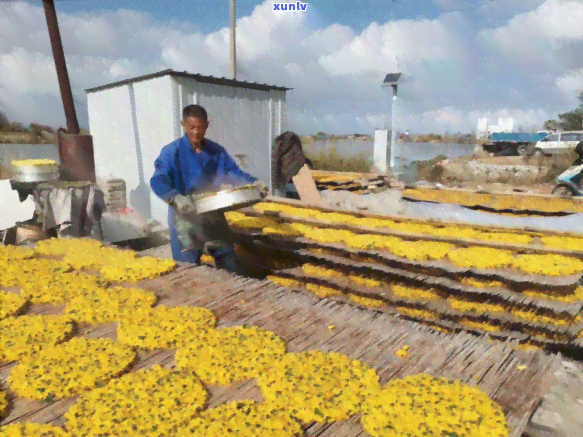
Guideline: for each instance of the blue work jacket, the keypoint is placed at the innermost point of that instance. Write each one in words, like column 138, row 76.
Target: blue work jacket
column 180, row 170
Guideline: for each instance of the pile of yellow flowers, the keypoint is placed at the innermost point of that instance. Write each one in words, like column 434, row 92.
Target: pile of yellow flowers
column 481, row 257
column 15, row 253
column 15, row 274
column 32, row 430
column 433, row 407
column 548, row 265
column 97, row 257
column 154, row 402
column 63, row 246
column 318, row 386
column 70, row 368
column 137, row 270
column 243, row 419
column 163, row 327
column 560, row 242
column 422, row 250
column 575, row 296
column 10, row 304
column 475, row 307
column 482, row 284
column 26, row 335
column 60, row 288
column 228, row 355
column 417, row 313
column 109, row 305
column 3, row 404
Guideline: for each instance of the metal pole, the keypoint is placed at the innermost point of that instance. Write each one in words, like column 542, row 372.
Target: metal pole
column 393, row 131
column 233, row 41
column 61, row 67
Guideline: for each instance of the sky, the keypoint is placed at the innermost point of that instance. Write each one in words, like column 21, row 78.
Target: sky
column 465, row 59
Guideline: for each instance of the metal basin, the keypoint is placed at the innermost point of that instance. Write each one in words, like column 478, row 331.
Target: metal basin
column 32, row 173
column 227, row 200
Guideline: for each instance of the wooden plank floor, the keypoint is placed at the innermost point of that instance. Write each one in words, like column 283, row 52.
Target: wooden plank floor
column 303, row 322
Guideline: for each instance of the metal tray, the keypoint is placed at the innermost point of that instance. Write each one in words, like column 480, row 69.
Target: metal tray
column 228, row 200
column 31, row 173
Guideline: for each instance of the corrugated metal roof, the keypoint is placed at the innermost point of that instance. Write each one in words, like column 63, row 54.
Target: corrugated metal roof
column 198, row 77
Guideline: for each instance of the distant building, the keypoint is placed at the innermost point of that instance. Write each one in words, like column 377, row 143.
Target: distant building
column 485, row 130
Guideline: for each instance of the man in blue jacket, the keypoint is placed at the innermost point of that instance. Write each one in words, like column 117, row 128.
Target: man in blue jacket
column 191, row 165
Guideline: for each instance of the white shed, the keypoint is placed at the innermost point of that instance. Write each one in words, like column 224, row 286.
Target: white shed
column 131, row 120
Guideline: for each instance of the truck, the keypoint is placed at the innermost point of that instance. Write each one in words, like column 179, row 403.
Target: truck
column 512, row 144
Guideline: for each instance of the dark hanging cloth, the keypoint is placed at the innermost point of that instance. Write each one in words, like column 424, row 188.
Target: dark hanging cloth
column 287, row 158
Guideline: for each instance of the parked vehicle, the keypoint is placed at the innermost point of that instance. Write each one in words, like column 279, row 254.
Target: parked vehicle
column 512, row 144
column 559, row 142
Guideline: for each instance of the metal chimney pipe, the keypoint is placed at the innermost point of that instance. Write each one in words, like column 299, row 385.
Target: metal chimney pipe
column 61, row 67
column 233, row 41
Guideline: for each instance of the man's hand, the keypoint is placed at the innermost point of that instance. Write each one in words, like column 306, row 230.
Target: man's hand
column 262, row 188
column 184, row 205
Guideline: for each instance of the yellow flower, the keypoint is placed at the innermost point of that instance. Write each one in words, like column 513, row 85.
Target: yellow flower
column 163, row 327
column 331, row 327
column 224, row 356
column 318, row 386
column 414, row 293
column 17, row 274
column 63, row 246
column 109, row 305
column 314, row 270
column 70, row 368
column 32, row 430
column 243, row 419
column 26, row 335
column 423, row 405
column 15, row 253
column 403, row 352
column 148, row 402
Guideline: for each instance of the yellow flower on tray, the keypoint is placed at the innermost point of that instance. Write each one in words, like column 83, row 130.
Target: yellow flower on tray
column 32, row 430
column 367, row 301
column 26, row 335
column 70, row 368
column 146, row 267
column 155, row 402
column 60, row 288
column 481, row 257
column 109, row 305
column 11, row 304
column 284, row 282
column 224, row 356
column 548, row 265
column 318, row 386
column 243, row 419
column 433, row 407
column 321, row 271
column 163, row 327
column 422, row 250
column 323, row 291
column 403, row 352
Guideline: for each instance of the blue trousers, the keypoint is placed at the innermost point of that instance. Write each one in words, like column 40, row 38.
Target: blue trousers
column 225, row 258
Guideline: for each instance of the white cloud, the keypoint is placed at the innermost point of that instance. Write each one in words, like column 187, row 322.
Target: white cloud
column 336, row 73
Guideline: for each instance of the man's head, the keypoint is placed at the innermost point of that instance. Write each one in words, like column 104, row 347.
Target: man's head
column 195, row 123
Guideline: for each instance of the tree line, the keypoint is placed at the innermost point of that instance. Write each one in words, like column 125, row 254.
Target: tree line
column 572, row 120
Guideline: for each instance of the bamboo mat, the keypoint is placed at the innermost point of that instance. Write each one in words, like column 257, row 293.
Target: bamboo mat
column 303, row 321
